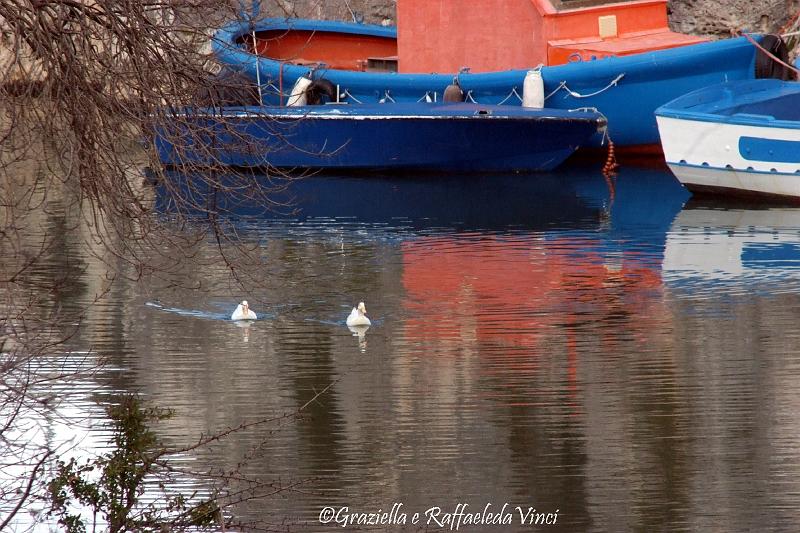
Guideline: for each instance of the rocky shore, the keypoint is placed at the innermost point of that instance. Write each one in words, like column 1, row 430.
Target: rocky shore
column 716, row 18
column 712, row 18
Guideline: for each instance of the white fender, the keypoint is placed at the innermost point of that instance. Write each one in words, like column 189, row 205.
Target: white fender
column 533, row 90
column 298, row 96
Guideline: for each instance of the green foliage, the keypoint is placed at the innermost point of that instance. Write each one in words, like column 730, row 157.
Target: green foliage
column 112, row 484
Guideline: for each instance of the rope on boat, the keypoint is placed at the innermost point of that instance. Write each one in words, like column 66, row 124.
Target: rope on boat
column 574, row 94
column 611, row 166
column 561, row 86
column 427, row 97
column 346, row 94
column 587, row 110
column 280, row 83
column 272, row 86
column 512, row 93
column 770, row 54
column 258, row 67
column 469, row 95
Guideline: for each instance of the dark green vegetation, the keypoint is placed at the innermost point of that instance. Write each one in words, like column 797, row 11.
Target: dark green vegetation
column 112, row 485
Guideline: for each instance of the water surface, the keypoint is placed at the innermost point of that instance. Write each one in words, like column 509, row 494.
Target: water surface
column 624, row 358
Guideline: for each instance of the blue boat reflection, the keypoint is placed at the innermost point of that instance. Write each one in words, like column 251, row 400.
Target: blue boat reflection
column 535, row 248
column 578, row 197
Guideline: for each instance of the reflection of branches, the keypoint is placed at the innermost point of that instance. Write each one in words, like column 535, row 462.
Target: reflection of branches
column 137, row 456
column 82, row 84
column 109, row 75
column 28, row 490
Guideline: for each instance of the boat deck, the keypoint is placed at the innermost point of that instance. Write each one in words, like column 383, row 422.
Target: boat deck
column 758, row 101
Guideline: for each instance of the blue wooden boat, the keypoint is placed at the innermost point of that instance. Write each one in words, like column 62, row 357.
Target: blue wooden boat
column 626, row 89
column 461, row 136
column 739, row 138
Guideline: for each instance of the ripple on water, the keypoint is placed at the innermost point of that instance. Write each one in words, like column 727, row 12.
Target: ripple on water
column 631, row 363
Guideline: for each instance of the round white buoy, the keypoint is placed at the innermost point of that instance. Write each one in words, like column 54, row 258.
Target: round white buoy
column 533, row 90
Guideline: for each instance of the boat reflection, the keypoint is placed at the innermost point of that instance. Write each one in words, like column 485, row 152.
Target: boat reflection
column 506, row 259
column 509, row 254
column 514, row 291
column 524, row 293
column 713, row 243
column 578, row 196
column 414, row 202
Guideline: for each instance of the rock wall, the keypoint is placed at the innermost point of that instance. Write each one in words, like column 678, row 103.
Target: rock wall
column 703, row 17
column 371, row 11
column 716, row 18
column 719, row 17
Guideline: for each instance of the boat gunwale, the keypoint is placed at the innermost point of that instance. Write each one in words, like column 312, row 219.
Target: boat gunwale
column 764, row 90
column 313, row 113
column 761, row 121
column 626, row 89
column 583, row 74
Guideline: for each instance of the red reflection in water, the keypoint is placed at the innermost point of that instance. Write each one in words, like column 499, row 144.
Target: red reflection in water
column 511, row 298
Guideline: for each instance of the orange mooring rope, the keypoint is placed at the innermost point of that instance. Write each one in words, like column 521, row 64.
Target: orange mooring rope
column 611, row 166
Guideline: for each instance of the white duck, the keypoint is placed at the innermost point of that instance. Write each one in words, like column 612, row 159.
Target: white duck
column 243, row 312
column 358, row 316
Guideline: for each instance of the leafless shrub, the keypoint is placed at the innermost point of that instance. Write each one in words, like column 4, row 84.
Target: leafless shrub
column 83, row 86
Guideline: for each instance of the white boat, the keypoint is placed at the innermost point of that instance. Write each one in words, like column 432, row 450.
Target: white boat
column 739, row 138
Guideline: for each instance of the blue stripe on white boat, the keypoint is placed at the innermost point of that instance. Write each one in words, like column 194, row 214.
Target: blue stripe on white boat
column 758, row 149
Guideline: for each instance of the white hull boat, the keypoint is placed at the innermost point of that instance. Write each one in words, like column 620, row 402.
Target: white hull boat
column 737, row 138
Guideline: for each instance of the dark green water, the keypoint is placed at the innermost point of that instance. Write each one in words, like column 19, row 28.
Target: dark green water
column 627, row 363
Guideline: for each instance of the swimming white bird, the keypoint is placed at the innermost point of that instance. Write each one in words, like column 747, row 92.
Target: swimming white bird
column 243, row 312
column 358, row 316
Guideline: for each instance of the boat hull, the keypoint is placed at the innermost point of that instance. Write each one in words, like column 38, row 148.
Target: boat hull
column 756, row 185
column 719, row 139
column 462, row 137
column 625, row 89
